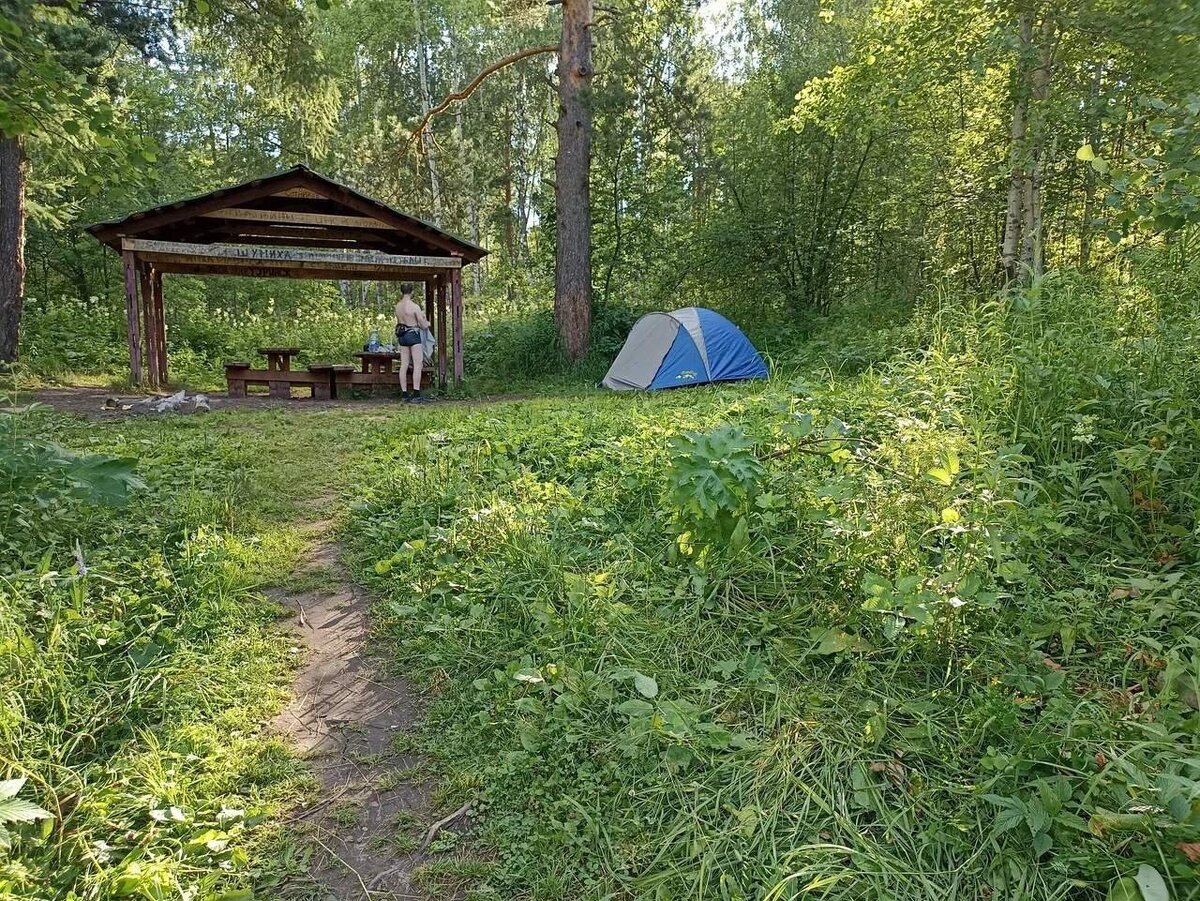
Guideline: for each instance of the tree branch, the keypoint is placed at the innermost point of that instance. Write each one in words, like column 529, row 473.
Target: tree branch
column 459, row 96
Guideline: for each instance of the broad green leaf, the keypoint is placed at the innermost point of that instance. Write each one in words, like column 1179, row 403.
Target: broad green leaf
column 836, row 641
column 741, row 535
column 677, row 757
column 18, row 810
column 1124, row 889
column 1085, row 153
column 1150, row 883
column 645, row 685
column 635, row 708
column 1036, row 817
column 10, row 787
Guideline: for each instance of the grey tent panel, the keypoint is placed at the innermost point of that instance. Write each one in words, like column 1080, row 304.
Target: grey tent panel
column 689, row 318
column 643, row 353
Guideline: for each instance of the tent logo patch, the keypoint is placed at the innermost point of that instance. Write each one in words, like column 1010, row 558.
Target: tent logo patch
column 686, row 376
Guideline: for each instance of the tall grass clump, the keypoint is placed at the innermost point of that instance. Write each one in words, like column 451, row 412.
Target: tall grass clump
column 920, row 629
column 137, row 662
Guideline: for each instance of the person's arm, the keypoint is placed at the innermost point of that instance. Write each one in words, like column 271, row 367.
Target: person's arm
column 421, row 318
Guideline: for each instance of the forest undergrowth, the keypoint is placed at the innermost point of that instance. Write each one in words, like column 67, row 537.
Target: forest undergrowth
column 922, row 628
column 915, row 618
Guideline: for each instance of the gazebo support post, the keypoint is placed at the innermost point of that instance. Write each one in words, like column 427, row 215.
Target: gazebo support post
column 441, row 331
column 129, row 263
column 430, row 289
column 150, row 325
column 160, row 319
column 456, row 308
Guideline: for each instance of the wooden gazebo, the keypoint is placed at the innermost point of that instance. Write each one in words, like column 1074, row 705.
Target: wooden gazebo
column 294, row 224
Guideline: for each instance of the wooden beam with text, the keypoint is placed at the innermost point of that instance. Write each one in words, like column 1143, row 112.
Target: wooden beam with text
column 233, row 255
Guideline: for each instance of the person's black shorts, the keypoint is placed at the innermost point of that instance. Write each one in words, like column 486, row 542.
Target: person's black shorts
column 406, row 336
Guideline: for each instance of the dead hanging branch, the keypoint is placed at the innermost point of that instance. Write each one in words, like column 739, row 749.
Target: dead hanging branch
column 459, row 96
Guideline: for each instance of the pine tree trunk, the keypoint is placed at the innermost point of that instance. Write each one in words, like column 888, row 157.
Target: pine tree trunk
column 12, row 245
column 472, row 204
column 573, row 264
column 427, row 102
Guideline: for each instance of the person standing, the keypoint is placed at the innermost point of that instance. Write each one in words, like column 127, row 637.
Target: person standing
column 410, row 319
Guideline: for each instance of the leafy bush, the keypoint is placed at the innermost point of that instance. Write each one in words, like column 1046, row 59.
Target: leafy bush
column 69, row 336
column 524, row 345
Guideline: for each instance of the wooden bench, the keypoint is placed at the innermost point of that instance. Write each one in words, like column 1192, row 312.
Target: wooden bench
column 322, row 379
column 339, row 379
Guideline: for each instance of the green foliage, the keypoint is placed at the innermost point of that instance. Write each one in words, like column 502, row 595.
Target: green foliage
column 138, row 657
column 713, row 482
column 1159, row 185
column 951, row 654
column 16, row 810
column 42, row 480
column 515, row 347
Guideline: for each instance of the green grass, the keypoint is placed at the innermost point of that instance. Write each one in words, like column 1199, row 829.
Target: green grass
column 921, row 630
column 135, row 692
column 915, row 619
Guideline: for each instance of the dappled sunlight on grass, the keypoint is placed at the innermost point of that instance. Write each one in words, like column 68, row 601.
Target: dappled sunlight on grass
column 852, row 636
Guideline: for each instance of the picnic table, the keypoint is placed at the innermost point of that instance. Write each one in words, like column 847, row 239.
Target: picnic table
column 377, row 362
column 376, row 369
column 322, row 379
column 279, row 359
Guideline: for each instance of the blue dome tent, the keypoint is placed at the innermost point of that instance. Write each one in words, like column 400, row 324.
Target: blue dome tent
column 691, row 346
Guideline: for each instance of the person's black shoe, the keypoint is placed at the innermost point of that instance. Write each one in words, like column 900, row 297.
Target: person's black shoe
column 406, row 396
column 418, row 399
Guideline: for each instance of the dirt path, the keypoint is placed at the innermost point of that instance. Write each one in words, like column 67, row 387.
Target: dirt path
column 105, row 404
column 351, row 721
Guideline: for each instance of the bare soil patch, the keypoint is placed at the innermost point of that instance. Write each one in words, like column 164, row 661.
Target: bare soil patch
column 94, row 403
column 351, row 720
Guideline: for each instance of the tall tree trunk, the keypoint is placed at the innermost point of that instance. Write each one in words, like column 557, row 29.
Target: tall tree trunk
column 1033, row 240
column 573, row 264
column 472, row 203
column 1089, row 171
column 509, row 214
column 12, row 245
column 1018, row 155
column 426, row 103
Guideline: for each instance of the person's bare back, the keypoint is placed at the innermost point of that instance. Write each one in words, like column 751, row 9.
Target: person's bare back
column 409, row 314
column 410, row 318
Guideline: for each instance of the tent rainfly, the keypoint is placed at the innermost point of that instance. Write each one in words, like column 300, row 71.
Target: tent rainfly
column 692, row 346
column 293, row 224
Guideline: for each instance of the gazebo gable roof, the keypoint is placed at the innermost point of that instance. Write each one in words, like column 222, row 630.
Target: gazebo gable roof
column 298, row 208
